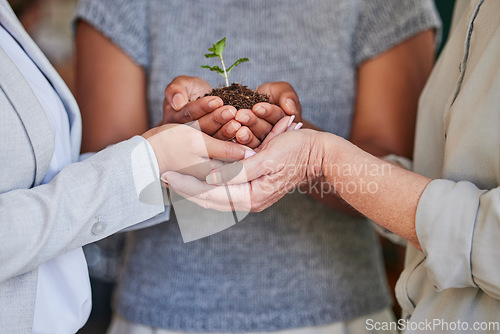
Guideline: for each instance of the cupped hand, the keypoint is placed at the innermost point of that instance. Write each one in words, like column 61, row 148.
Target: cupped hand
column 259, row 181
column 184, row 103
column 184, row 149
column 258, row 122
column 280, row 94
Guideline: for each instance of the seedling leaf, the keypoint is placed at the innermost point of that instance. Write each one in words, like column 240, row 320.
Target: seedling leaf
column 219, row 47
column 217, row 50
column 236, row 63
column 214, row 68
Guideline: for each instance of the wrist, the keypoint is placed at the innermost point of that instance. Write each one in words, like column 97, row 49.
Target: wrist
column 329, row 145
column 316, row 156
column 155, row 140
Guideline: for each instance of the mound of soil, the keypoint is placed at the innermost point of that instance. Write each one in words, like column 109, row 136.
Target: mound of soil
column 239, row 96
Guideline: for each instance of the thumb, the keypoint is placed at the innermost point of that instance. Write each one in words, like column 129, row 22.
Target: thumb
column 176, row 94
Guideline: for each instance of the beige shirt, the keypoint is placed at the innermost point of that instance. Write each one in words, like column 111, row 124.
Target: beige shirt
column 454, row 284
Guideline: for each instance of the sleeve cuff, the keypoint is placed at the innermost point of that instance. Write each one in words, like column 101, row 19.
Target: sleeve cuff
column 145, row 181
column 445, row 222
column 148, row 184
column 146, row 174
column 399, row 160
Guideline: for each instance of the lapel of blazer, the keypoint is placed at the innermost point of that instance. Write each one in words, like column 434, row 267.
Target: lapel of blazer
column 25, row 104
column 30, row 112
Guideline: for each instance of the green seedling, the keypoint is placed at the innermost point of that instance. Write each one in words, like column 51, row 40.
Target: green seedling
column 216, row 51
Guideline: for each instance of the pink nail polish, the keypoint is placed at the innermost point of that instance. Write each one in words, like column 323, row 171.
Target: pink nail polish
column 291, row 120
column 298, row 126
column 163, row 178
column 249, row 153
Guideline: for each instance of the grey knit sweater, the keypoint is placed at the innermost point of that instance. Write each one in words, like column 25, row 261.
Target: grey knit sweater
column 297, row 263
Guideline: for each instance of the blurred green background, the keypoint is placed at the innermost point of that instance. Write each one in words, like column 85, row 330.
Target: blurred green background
column 445, row 8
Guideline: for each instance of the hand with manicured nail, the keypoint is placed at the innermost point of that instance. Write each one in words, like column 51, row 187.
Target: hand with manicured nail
column 186, row 150
column 276, row 162
column 259, row 181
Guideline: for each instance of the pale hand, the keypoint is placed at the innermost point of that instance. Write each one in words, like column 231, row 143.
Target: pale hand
column 186, row 150
column 259, row 181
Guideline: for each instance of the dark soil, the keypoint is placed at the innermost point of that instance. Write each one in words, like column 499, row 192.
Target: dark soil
column 238, row 96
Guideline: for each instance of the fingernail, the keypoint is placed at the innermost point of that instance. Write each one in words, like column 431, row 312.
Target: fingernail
column 244, row 118
column 178, row 101
column 236, row 126
column 214, row 178
column 227, row 114
column 291, row 105
column 244, row 137
column 163, row 178
column 249, row 153
column 214, row 103
column 298, row 126
column 259, row 111
column 291, row 120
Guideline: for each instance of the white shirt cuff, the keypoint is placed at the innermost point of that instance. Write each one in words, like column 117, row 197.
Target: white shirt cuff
column 445, row 222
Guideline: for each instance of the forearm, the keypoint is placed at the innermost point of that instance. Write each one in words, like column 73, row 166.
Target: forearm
column 383, row 192
column 85, row 202
column 321, row 190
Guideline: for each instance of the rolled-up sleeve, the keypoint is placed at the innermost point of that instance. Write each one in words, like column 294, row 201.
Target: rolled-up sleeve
column 458, row 227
